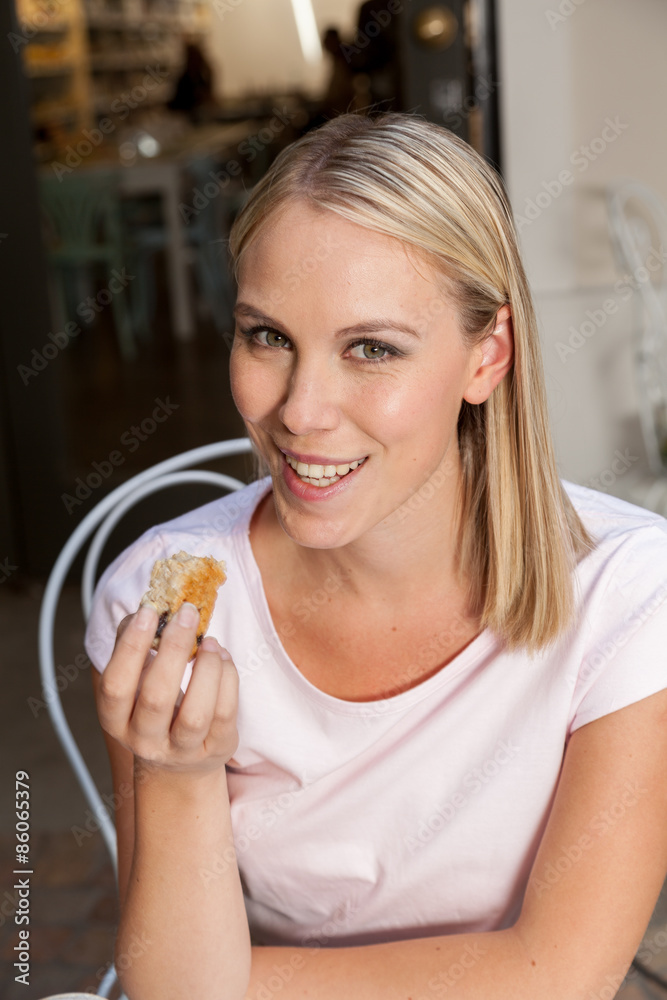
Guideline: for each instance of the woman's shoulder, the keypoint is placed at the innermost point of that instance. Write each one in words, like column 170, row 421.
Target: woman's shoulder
column 209, row 530
column 214, row 523
column 616, row 524
column 627, row 569
column 616, row 654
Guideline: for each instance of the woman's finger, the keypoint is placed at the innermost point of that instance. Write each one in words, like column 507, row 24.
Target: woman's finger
column 119, row 682
column 223, row 725
column 154, row 707
column 195, row 714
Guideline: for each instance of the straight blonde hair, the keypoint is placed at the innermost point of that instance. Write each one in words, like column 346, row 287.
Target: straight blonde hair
column 520, row 538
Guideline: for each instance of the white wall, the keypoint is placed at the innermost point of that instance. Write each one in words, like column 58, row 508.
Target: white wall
column 254, row 45
column 567, row 67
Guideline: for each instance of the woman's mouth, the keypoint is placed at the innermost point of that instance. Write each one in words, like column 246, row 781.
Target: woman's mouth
column 322, row 475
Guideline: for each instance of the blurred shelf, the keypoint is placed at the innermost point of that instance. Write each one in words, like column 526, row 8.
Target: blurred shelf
column 69, row 55
column 109, row 105
column 54, row 28
column 102, row 61
column 34, row 69
column 43, row 114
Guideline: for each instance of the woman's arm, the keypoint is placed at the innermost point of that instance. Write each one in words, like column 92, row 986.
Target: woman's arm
column 595, row 881
column 183, row 929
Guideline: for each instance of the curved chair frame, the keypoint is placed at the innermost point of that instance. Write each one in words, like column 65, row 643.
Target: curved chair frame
column 651, row 335
column 104, row 517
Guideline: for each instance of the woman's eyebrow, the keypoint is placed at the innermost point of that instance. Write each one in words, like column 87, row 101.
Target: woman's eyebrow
column 366, row 326
column 377, row 326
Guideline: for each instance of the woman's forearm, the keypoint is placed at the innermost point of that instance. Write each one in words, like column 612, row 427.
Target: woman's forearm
column 491, row 966
column 183, row 931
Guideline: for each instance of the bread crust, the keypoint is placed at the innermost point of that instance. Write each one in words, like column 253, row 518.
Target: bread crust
column 180, row 578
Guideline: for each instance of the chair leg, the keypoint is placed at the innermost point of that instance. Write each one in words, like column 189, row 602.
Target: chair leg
column 121, row 315
column 142, row 295
column 215, row 285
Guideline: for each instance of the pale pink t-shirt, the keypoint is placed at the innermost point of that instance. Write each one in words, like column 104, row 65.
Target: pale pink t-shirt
column 421, row 814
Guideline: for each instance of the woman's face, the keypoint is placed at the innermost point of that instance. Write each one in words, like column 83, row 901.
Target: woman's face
column 345, row 352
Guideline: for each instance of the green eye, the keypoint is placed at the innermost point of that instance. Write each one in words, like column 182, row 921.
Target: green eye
column 374, row 351
column 274, row 339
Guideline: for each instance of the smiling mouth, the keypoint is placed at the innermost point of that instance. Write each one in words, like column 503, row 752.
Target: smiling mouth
column 321, row 475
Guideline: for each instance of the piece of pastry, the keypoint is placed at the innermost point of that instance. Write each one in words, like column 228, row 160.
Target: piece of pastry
column 185, row 578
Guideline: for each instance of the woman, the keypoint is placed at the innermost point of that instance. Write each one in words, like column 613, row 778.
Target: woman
column 435, row 761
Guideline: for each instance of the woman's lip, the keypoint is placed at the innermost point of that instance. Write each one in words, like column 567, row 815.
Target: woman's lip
column 306, row 491
column 318, row 460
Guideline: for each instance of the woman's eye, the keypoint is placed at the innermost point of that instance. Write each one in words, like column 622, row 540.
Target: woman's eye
column 264, row 336
column 271, row 338
column 369, row 350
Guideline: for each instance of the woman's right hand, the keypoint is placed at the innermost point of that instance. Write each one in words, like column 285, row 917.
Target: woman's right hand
column 198, row 736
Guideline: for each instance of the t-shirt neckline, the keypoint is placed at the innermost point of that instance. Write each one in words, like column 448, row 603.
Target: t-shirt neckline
column 473, row 652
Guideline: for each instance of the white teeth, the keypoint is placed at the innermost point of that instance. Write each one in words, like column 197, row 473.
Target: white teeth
column 322, row 475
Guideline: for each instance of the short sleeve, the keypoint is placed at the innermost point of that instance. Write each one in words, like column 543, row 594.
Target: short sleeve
column 118, row 594
column 625, row 659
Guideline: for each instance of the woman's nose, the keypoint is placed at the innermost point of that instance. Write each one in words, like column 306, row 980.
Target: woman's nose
column 310, row 404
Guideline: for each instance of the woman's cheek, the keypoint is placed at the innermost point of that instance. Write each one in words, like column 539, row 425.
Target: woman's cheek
column 255, row 387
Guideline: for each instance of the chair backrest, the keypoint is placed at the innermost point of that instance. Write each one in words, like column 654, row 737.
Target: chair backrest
column 99, row 523
column 82, row 212
column 638, row 226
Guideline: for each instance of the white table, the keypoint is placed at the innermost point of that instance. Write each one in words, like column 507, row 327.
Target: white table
column 162, row 176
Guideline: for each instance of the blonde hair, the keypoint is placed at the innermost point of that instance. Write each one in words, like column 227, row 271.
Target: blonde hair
column 520, row 537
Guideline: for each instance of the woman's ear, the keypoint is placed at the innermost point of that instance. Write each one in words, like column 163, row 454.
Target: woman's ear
column 492, row 358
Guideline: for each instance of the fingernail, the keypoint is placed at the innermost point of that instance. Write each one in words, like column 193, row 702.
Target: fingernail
column 146, row 617
column 187, row 615
column 210, row 645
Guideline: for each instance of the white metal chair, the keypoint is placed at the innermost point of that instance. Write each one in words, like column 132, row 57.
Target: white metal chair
column 101, row 521
column 638, row 225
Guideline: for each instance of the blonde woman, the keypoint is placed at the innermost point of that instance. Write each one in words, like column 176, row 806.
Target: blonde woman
column 424, row 748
